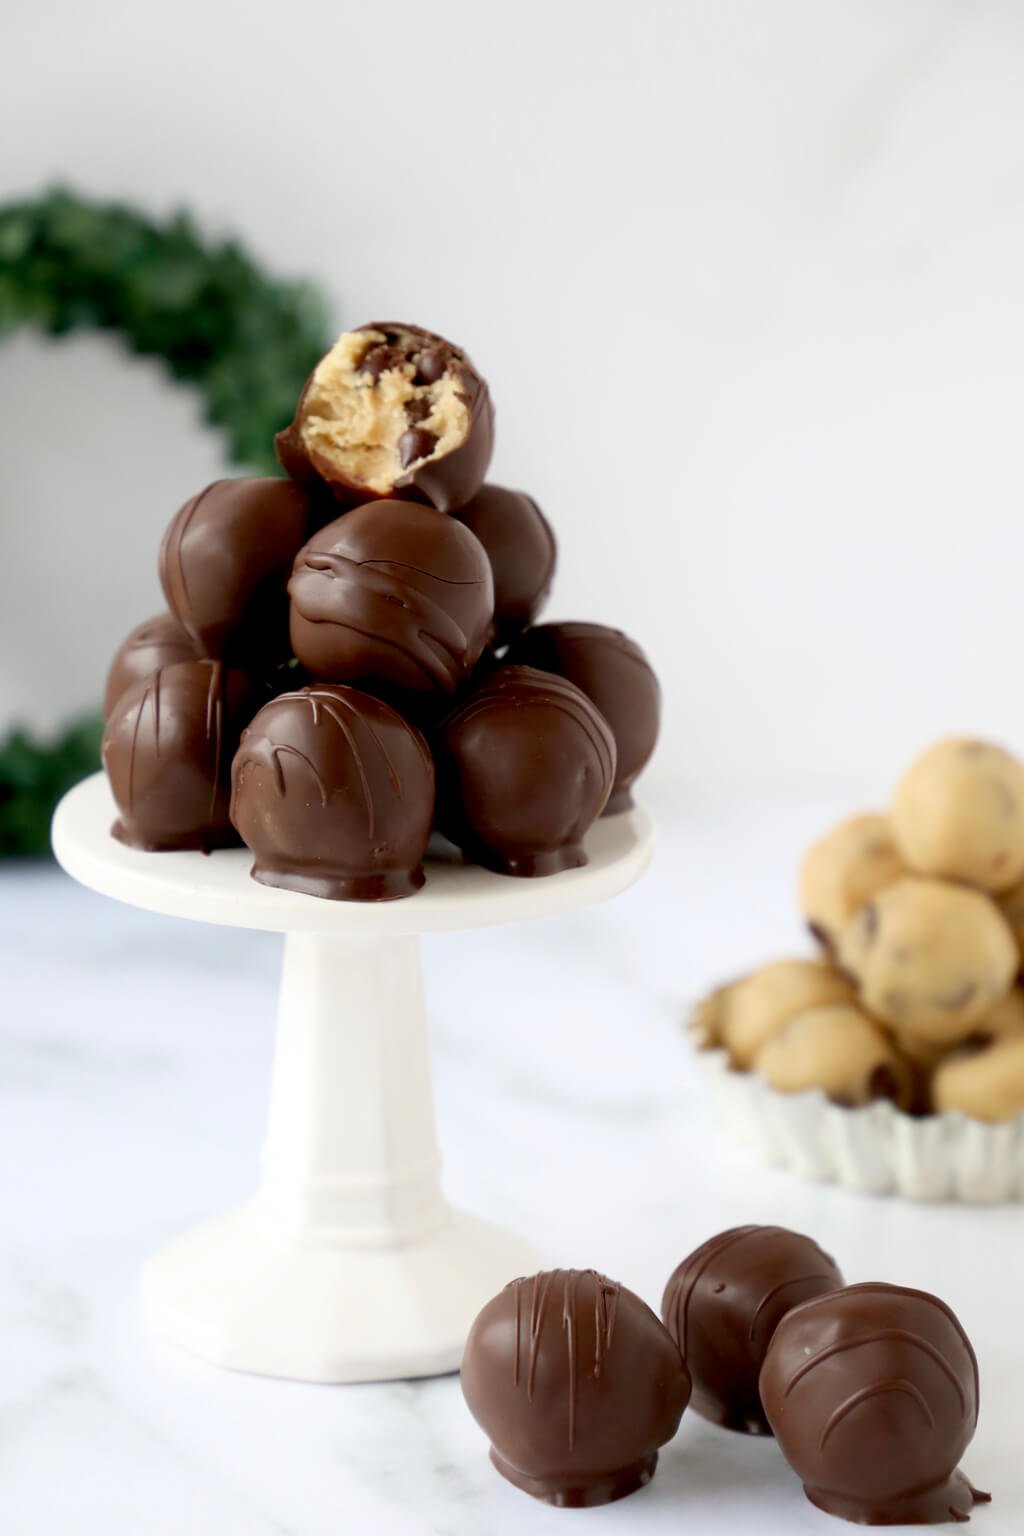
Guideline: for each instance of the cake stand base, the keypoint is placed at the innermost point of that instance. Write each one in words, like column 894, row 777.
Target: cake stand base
column 348, row 1264
column 228, row 1292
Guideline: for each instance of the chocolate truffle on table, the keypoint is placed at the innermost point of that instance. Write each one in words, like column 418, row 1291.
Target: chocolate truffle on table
column 157, row 642
column 392, row 595
column 872, row 1393
column 525, row 767
column 577, row 1385
column 167, row 752
column 521, row 547
column 724, row 1302
column 392, row 410
column 224, row 566
column 617, row 678
column 334, row 794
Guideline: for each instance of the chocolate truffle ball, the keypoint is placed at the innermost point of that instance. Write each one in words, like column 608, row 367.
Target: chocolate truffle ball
column 930, row 958
column 392, row 595
column 958, row 813
column 524, row 769
column 224, row 566
column 576, row 1384
column 841, row 1051
column 521, row 547
column 872, row 1393
column 392, row 410
column 157, row 642
column 616, row 677
column 334, row 793
column 723, row 1304
column 845, row 869
column 167, row 751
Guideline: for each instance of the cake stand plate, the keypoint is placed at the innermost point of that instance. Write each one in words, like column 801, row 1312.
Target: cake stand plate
column 347, row 1264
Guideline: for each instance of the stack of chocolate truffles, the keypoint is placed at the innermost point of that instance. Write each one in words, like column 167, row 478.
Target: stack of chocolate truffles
column 349, row 659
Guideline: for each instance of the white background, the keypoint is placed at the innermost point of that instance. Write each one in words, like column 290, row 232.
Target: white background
column 746, row 279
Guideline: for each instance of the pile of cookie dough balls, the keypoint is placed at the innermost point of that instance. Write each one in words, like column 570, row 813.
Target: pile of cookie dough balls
column 350, row 659
column 919, row 918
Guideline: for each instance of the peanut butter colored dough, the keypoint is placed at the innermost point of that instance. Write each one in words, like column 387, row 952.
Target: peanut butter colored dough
column 1002, row 1021
column 1011, row 904
column 958, row 813
column 745, row 1015
column 845, row 869
column 839, row 1050
column 930, row 958
column 986, row 1082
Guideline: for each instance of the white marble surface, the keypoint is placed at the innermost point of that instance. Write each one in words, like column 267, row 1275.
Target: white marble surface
column 134, row 1057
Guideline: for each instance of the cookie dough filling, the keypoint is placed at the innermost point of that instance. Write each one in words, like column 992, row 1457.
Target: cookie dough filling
column 380, row 404
column 747, row 1014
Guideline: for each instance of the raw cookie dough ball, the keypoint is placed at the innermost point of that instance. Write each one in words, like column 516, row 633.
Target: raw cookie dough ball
column 845, row 869
column 958, row 813
column 986, row 1082
column 745, row 1016
column 930, row 958
column 1011, row 904
column 839, row 1050
column 1002, row 1021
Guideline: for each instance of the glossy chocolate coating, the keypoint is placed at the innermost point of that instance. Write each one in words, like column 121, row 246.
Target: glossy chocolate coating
column 392, row 595
column 157, row 642
column 576, row 1384
column 872, row 1393
column 723, row 1304
column 525, row 767
column 445, row 483
column 224, row 566
column 334, row 793
column 167, row 751
column 616, row 676
column 521, row 547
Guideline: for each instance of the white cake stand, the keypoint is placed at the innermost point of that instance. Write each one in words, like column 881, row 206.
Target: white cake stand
column 347, row 1264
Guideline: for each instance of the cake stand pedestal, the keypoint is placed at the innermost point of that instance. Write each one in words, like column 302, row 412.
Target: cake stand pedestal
column 347, row 1264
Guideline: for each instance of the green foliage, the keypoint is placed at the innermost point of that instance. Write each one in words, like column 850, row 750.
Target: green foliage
column 244, row 340
column 33, row 776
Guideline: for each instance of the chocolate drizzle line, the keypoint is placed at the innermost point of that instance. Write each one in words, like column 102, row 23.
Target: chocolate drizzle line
column 880, row 1336
column 875, row 1389
column 606, row 1295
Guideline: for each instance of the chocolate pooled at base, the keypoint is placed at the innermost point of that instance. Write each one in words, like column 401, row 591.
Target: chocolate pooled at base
column 334, row 794
column 872, row 1392
column 525, row 767
column 392, row 595
column 616, row 677
column 392, row 410
column 576, row 1384
column 167, row 752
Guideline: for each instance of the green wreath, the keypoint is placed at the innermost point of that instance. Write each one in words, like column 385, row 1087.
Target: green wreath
column 245, row 340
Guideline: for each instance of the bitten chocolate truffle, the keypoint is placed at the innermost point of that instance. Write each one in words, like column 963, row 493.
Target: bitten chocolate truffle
column 334, row 793
column 157, row 642
column 167, row 752
column 872, row 1393
column 723, row 1304
column 524, row 769
column 224, row 566
column 576, row 1384
column 392, row 410
column 392, row 595
column 521, row 547
column 616, row 677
